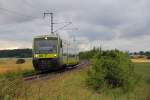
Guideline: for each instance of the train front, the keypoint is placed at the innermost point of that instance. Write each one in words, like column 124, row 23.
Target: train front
column 45, row 53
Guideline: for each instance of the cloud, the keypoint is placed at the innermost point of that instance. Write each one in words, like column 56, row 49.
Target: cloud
column 14, row 45
column 109, row 21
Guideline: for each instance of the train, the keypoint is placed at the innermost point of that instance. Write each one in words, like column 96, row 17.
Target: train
column 50, row 52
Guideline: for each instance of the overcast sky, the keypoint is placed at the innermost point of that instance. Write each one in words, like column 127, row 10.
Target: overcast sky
column 121, row 24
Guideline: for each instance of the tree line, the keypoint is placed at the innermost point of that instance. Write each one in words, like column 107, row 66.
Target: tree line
column 89, row 54
column 17, row 53
column 25, row 53
column 145, row 53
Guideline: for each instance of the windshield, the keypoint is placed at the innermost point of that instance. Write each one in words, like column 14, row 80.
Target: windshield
column 46, row 46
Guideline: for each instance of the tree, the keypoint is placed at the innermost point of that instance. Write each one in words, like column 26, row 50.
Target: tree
column 111, row 69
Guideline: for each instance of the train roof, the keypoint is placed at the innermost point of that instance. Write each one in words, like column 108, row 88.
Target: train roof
column 50, row 35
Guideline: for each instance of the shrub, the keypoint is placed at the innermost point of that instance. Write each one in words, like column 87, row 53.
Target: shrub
column 87, row 55
column 111, row 69
column 20, row 61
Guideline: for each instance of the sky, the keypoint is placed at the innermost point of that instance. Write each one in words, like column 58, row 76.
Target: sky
column 110, row 24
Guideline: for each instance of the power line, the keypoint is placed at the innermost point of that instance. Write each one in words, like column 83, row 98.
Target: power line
column 51, row 14
column 52, row 23
column 63, row 27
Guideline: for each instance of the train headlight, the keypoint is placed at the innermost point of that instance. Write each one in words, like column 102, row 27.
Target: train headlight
column 55, row 55
column 36, row 55
column 45, row 38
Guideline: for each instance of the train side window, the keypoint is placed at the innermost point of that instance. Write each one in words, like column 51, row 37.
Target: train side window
column 61, row 43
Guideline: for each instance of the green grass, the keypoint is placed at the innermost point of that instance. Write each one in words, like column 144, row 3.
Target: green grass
column 143, row 91
column 71, row 86
column 143, row 69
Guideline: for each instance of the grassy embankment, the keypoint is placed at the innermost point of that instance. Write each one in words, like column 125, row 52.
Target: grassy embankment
column 71, row 86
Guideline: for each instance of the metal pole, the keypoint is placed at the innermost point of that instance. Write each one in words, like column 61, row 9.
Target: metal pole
column 51, row 21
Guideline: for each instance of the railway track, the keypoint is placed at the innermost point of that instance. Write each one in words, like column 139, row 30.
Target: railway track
column 47, row 74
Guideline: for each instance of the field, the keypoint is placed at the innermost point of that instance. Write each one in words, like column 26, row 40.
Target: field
column 9, row 65
column 137, row 60
column 143, row 69
column 70, row 85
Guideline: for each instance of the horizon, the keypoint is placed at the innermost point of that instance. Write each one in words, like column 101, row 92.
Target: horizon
column 79, row 51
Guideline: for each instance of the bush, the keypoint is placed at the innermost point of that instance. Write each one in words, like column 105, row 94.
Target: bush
column 20, row 61
column 87, row 55
column 111, row 69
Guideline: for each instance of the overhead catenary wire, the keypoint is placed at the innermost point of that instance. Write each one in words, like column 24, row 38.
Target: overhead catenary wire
column 32, row 17
column 51, row 20
column 63, row 27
